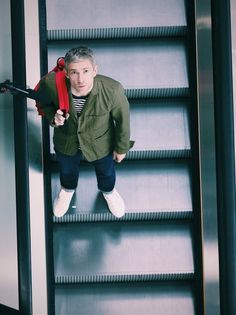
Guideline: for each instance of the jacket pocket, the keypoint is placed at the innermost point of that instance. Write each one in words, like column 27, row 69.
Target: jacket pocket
column 98, row 123
column 106, row 134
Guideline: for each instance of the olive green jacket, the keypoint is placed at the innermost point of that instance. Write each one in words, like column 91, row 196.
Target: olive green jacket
column 102, row 126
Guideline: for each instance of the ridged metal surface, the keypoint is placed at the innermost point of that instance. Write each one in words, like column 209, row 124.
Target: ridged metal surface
column 159, row 154
column 158, row 93
column 108, row 217
column 116, row 33
column 151, row 154
column 124, row 278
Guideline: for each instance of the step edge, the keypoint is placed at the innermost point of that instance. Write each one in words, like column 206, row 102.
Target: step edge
column 109, row 278
column 128, row 217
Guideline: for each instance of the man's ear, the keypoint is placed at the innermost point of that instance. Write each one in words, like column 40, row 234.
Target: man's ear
column 95, row 69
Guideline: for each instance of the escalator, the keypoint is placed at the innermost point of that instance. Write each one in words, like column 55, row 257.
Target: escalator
column 149, row 261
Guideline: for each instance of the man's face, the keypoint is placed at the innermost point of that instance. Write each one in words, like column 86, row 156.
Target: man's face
column 81, row 75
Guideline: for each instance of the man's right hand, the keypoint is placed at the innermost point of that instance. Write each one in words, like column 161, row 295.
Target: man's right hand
column 59, row 119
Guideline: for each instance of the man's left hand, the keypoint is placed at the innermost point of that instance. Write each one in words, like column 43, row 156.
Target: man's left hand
column 118, row 157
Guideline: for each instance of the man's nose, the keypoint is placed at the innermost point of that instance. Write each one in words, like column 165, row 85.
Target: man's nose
column 80, row 77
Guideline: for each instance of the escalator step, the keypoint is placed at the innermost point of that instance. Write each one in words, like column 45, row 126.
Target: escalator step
column 158, row 154
column 108, row 217
column 182, row 276
column 165, row 73
column 153, row 185
column 150, row 154
column 172, row 92
column 116, row 33
column 138, row 298
column 115, row 251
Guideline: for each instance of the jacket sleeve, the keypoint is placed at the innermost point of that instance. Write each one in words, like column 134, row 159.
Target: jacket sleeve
column 121, row 116
column 46, row 98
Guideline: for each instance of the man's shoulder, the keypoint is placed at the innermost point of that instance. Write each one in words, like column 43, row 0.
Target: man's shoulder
column 49, row 78
column 107, row 82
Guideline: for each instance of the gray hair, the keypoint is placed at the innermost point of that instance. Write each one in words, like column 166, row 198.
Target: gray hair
column 78, row 53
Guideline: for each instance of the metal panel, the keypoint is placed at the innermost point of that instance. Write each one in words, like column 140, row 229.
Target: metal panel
column 36, row 183
column 125, row 299
column 8, row 233
column 233, row 36
column 207, row 156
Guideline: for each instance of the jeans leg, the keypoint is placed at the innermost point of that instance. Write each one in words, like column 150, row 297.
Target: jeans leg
column 105, row 172
column 69, row 169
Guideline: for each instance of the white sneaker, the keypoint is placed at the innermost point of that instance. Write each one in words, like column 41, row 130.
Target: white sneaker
column 62, row 202
column 115, row 203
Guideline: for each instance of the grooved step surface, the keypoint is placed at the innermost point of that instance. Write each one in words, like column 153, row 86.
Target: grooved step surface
column 127, row 299
column 148, row 64
column 108, row 217
column 145, row 186
column 113, row 13
column 124, row 278
column 174, row 92
column 147, row 154
column 158, row 154
column 122, row 248
column 116, row 33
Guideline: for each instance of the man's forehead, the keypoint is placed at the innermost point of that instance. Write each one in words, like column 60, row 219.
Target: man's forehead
column 80, row 64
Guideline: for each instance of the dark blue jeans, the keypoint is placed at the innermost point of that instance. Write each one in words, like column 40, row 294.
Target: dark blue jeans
column 69, row 171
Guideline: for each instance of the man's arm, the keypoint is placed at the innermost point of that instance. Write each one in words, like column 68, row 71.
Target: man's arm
column 46, row 103
column 120, row 114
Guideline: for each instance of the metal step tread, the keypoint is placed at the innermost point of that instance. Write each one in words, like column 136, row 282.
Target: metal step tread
column 161, row 154
column 165, row 70
column 117, row 32
column 123, row 248
column 165, row 92
column 137, row 298
column 145, row 185
column 129, row 216
column 107, row 278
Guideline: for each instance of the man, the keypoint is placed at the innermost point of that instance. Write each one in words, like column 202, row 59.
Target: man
column 96, row 127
